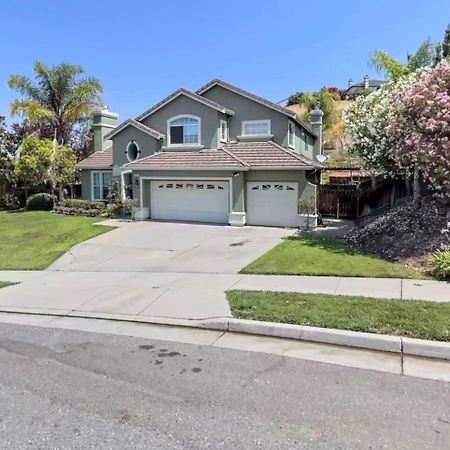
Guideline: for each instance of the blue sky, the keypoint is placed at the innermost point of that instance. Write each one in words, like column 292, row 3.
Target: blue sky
column 143, row 50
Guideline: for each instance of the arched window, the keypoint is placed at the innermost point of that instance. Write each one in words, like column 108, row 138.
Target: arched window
column 183, row 130
column 133, row 152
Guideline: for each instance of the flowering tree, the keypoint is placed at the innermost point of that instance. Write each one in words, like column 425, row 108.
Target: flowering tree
column 366, row 123
column 419, row 126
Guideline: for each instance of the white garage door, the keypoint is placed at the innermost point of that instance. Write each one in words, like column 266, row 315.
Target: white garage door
column 272, row 204
column 195, row 201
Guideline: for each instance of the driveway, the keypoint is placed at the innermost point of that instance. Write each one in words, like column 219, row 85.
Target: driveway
column 171, row 247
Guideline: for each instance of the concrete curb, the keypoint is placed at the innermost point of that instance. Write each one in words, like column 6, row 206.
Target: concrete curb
column 368, row 341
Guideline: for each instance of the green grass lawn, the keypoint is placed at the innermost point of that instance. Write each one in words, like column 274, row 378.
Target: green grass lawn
column 325, row 256
column 417, row 319
column 5, row 283
column 34, row 239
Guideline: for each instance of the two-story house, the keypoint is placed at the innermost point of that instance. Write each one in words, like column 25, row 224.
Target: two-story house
column 219, row 155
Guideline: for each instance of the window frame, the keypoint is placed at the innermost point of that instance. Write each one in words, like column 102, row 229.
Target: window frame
column 268, row 122
column 221, row 138
column 291, row 135
column 184, row 116
column 101, row 173
column 132, row 141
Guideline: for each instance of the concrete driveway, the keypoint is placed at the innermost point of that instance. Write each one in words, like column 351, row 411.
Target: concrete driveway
column 170, row 247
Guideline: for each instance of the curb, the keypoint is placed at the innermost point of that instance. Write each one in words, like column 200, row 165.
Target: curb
column 354, row 339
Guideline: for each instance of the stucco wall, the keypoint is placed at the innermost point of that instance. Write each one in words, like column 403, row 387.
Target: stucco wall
column 85, row 178
column 209, row 117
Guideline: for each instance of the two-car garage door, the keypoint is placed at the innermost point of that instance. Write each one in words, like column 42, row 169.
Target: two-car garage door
column 196, row 201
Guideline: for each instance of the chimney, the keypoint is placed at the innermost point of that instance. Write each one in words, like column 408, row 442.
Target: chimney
column 366, row 82
column 316, row 118
column 104, row 122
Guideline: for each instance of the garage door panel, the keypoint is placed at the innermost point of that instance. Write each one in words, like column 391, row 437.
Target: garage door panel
column 197, row 201
column 272, row 203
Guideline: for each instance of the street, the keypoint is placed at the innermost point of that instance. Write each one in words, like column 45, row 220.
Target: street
column 74, row 389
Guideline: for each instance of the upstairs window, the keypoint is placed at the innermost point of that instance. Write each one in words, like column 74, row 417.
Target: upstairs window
column 291, row 134
column 132, row 151
column 223, row 131
column 255, row 127
column 184, row 130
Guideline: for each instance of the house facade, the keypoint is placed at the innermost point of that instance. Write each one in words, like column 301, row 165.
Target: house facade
column 219, row 155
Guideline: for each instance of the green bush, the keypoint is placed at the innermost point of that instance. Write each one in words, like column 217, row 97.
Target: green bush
column 9, row 201
column 440, row 262
column 41, row 202
column 76, row 207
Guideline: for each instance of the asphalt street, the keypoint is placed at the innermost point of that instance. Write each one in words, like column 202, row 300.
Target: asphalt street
column 66, row 389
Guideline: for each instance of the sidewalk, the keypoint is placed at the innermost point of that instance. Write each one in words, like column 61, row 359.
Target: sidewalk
column 191, row 296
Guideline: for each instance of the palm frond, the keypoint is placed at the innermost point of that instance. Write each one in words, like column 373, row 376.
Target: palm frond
column 386, row 64
column 32, row 111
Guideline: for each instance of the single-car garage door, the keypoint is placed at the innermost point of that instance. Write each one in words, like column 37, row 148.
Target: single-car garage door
column 272, row 204
column 195, row 201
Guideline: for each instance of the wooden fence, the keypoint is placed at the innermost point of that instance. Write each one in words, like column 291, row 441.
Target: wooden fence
column 353, row 201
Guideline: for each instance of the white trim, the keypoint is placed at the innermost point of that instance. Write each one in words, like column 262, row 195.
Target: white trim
column 223, row 122
column 192, row 95
column 138, row 150
column 122, row 182
column 183, row 116
column 215, row 168
column 101, row 185
column 291, row 123
column 229, row 179
column 266, row 121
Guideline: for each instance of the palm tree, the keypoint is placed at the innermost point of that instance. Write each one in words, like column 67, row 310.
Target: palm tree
column 59, row 96
column 395, row 69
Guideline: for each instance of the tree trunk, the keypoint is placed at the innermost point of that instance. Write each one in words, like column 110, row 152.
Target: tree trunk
column 60, row 192
column 416, row 187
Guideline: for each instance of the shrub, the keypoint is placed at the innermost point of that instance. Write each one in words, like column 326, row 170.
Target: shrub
column 41, row 202
column 440, row 262
column 9, row 201
column 76, row 207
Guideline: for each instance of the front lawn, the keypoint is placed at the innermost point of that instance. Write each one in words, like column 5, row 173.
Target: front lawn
column 325, row 256
column 34, row 239
column 416, row 319
column 5, row 283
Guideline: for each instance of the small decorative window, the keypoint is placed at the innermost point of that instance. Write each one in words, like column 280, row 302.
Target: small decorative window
column 266, row 187
column 169, row 185
column 255, row 188
column 290, row 188
column 220, row 188
column 200, row 186
column 278, row 187
column 255, row 127
column 161, row 186
column 209, row 186
column 132, row 151
column 184, row 130
column 178, row 186
column 223, row 131
column 291, row 134
column 189, row 186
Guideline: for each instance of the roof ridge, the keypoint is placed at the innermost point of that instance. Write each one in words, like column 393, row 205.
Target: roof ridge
column 301, row 158
column 189, row 93
column 244, row 163
column 258, row 98
column 146, row 129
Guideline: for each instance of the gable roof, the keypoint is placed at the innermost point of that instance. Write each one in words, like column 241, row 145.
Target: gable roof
column 256, row 98
column 191, row 95
column 98, row 160
column 133, row 123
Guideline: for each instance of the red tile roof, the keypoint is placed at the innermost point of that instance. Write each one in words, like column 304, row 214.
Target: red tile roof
column 194, row 159
column 98, row 160
column 268, row 154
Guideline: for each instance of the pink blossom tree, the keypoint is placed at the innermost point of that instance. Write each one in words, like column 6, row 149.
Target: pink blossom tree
column 419, row 127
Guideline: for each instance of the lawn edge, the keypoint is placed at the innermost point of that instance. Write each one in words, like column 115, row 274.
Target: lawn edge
column 403, row 346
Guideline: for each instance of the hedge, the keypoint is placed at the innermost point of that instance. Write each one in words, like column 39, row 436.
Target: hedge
column 75, row 207
column 41, row 202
